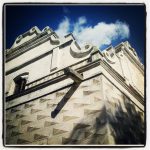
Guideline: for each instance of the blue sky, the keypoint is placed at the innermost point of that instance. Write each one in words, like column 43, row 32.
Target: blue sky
column 102, row 25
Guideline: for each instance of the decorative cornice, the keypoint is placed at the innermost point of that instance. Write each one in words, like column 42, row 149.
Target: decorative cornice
column 31, row 39
column 78, row 52
column 138, row 64
column 27, row 46
column 110, row 55
column 26, row 36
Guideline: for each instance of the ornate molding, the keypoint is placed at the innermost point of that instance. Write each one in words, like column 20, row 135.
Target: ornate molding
column 120, row 54
column 13, row 53
column 54, row 40
column 122, row 47
column 47, row 29
column 78, row 52
column 110, row 55
column 26, row 36
column 31, row 39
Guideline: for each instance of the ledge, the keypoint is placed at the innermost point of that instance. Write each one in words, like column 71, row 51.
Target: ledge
column 73, row 74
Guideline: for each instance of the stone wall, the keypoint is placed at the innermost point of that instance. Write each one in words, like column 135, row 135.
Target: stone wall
column 99, row 101
column 93, row 112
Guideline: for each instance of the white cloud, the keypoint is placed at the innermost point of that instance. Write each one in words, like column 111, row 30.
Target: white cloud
column 82, row 20
column 63, row 27
column 100, row 34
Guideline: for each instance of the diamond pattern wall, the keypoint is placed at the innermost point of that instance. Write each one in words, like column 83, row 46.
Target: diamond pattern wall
column 89, row 113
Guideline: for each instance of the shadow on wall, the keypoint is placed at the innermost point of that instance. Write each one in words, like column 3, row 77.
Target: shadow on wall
column 104, row 126
column 65, row 99
column 11, row 135
column 128, row 126
column 108, row 128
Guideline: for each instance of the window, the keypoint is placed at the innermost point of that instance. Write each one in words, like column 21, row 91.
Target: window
column 18, row 84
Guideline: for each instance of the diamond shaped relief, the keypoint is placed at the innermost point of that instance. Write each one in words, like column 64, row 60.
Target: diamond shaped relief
column 58, row 131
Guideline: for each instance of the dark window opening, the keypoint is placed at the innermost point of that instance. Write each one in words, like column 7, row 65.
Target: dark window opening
column 20, row 85
column 20, row 82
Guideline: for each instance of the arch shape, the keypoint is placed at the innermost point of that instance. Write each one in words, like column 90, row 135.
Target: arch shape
column 23, row 75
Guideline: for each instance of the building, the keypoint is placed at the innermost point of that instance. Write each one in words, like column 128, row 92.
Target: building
column 59, row 93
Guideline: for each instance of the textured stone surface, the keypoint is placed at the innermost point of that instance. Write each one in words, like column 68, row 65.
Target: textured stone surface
column 100, row 100
column 86, row 118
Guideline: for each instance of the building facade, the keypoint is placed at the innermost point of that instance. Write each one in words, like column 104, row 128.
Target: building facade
column 58, row 93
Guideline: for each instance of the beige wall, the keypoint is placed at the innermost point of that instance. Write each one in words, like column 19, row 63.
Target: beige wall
column 36, row 70
column 29, row 55
column 99, row 110
column 43, row 66
column 137, row 77
column 129, row 70
column 84, row 114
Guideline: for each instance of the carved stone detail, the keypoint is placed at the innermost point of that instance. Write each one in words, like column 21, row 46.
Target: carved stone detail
column 78, row 52
column 110, row 55
column 120, row 54
column 54, row 40
column 35, row 30
column 47, row 29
